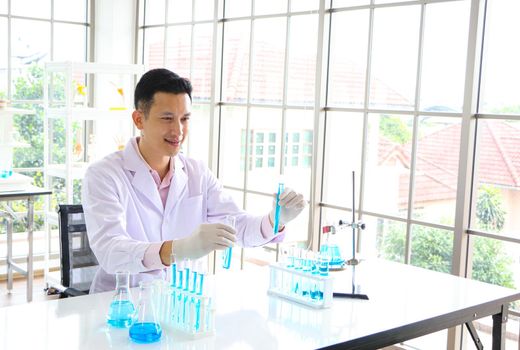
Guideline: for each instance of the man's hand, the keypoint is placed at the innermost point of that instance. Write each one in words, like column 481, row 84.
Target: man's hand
column 205, row 239
column 291, row 205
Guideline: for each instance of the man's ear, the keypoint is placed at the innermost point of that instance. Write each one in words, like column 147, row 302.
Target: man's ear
column 138, row 117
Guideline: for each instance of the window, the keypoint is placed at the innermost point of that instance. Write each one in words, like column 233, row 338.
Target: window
column 391, row 110
column 33, row 32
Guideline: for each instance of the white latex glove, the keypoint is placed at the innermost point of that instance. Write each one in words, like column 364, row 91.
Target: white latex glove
column 205, row 239
column 291, row 205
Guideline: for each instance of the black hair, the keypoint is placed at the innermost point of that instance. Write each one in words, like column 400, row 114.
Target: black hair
column 158, row 80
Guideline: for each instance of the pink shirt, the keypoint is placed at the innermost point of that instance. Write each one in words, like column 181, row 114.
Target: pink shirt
column 152, row 259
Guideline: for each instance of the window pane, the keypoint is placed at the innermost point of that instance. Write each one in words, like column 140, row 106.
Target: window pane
column 348, row 58
column 232, row 139
column 302, row 60
column 497, row 166
column 437, row 163
column 394, row 57
column 263, row 121
column 178, row 50
column 30, row 47
column 388, row 164
column 298, row 176
column 31, row 8
column 204, row 9
column 304, row 5
column 348, row 3
column 382, row 238
column 70, row 42
column 236, row 61
column 3, row 58
column 198, row 139
column 501, row 71
column 432, row 248
column 155, row 12
column 71, row 10
column 28, row 130
column 237, row 8
column 268, row 60
column 266, row 7
column 202, row 56
column 342, row 156
column 30, row 42
column 3, row 6
column 153, row 48
column 444, row 56
column 179, row 11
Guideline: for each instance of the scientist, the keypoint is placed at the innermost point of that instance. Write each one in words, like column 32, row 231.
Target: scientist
column 148, row 201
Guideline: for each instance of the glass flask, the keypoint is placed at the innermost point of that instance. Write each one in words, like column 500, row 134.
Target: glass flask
column 121, row 311
column 146, row 328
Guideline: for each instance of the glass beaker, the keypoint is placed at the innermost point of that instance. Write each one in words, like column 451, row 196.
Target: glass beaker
column 226, row 256
column 146, row 328
column 121, row 310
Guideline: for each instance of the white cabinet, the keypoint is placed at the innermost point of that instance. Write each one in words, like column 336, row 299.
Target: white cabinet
column 87, row 115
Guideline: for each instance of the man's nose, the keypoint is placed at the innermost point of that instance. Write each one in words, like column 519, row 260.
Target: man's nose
column 176, row 128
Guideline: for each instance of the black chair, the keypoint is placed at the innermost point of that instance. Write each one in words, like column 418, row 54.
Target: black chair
column 78, row 262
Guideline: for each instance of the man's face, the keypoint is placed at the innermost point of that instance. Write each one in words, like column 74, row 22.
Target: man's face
column 166, row 126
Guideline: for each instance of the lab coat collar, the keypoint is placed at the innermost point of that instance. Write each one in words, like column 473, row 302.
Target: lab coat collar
column 143, row 181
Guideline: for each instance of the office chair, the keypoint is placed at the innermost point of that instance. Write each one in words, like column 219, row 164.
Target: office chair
column 78, row 262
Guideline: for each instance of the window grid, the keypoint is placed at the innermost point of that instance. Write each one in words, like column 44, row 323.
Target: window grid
column 322, row 108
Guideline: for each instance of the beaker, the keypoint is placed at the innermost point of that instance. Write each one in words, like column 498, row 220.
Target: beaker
column 146, row 328
column 226, row 256
column 121, row 310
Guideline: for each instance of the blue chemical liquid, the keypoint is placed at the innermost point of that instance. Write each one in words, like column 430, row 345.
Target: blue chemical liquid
column 120, row 314
column 4, row 174
column 226, row 258
column 145, row 332
column 332, row 250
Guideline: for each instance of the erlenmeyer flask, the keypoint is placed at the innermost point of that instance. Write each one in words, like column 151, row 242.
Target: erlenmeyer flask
column 121, row 311
column 146, row 327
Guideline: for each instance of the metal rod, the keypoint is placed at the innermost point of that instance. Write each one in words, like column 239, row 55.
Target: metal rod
column 353, row 215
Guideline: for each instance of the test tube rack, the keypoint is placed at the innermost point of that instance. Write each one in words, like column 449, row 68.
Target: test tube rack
column 185, row 311
column 304, row 287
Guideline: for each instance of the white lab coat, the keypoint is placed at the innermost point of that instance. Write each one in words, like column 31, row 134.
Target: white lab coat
column 124, row 212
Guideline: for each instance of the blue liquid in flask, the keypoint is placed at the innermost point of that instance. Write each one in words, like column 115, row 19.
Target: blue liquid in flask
column 120, row 313
column 145, row 332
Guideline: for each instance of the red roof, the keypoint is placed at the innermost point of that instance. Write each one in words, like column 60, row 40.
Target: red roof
column 438, row 158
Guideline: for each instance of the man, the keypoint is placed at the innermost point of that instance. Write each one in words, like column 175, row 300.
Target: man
column 148, row 201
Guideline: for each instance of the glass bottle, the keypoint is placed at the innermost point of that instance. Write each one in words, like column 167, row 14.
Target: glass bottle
column 146, row 328
column 121, row 310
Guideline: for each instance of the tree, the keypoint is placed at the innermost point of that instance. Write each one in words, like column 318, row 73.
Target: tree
column 394, row 129
column 432, row 249
column 490, row 214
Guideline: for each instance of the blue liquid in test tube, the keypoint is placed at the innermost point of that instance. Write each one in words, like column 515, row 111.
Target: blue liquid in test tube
column 277, row 209
column 226, row 257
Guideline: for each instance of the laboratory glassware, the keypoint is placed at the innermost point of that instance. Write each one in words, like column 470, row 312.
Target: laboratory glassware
column 146, row 328
column 121, row 310
column 277, row 208
column 226, row 256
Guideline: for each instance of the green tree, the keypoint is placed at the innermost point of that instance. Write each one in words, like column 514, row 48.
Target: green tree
column 394, row 129
column 432, row 249
column 490, row 214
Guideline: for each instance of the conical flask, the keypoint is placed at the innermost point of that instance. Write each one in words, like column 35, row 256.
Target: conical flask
column 121, row 311
column 146, row 327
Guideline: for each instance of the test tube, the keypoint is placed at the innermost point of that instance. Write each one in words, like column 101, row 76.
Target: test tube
column 277, row 208
column 226, row 257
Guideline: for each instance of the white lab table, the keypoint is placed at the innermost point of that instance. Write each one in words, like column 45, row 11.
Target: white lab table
column 404, row 302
